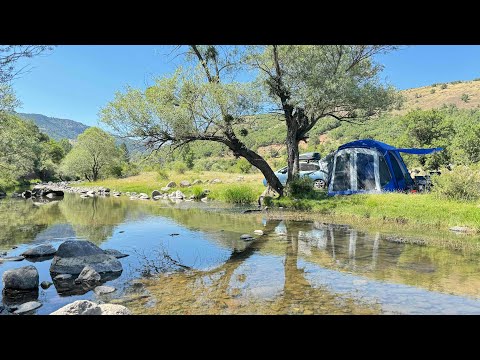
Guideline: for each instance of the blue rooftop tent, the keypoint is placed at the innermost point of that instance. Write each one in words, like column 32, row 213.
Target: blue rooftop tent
column 369, row 166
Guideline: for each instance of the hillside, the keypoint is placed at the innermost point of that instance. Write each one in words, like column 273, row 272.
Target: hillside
column 56, row 128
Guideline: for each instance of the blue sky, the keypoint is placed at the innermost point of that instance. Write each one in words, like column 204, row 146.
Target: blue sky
column 74, row 82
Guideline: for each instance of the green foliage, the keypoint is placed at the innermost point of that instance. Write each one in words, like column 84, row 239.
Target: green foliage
column 465, row 98
column 239, row 194
column 456, row 82
column 93, row 156
column 179, row 167
column 443, row 86
column 462, row 183
column 162, row 175
column 432, row 91
column 188, row 156
column 243, row 166
column 301, row 188
column 434, row 85
column 197, row 192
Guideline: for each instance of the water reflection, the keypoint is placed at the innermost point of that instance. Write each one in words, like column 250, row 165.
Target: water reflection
column 297, row 267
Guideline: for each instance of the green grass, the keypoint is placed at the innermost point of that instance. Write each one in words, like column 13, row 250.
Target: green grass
column 404, row 209
column 239, row 194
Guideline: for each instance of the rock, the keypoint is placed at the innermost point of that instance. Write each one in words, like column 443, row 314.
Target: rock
column 91, row 193
column 63, row 277
column 240, row 178
column 115, row 253
column 53, row 193
column 143, row 196
column 12, row 258
column 102, row 290
column 84, row 196
column 2, row 194
column 258, row 232
column 114, row 309
column 3, row 253
column 27, row 194
column 45, row 284
column 165, row 188
column 156, row 193
column 104, row 189
column 88, row 275
column 462, row 229
column 79, row 307
column 197, row 181
column 27, row 307
column 73, row 255
column 24, row 278
column 40, row 250
column 179, row 195
column 204, row 199
column 158, row 197
column 216, row 181
column 117, row 194
column 246, row 237
column 185, row 183
column 171, row 184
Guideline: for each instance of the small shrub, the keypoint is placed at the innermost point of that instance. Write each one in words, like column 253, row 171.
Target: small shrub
column 477, row 79
column 243, row 166
column 197, row 192
column 162, row 174
column 465, row 98
column 432, row 91
column 456, row 82
column 239, row 194
column 417, row 96
column 268, row 201
column 179, row 167
column 462, row 183
column 443, row 86
column 301, row 188
column 434, row 85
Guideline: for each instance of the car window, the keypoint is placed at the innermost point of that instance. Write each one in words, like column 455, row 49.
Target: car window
column 282, row 170
column 308, row 166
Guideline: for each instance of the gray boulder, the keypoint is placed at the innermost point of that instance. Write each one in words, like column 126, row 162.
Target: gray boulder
column 27, row 307
column 102, row 290
column 40, row 250
column 24, row 278
column 143, row 196
column 88, row 275
column 171, row 184
column 62, row 277
column 27, row 194
column 11, row 258
column 156, row 193
column 114, row 309
column 115, row 253
column 216, row 181
column 158, row 197
column 73, row 255
column 197, row 181
column 179, row 195
column 185, row 183
column 79, row 307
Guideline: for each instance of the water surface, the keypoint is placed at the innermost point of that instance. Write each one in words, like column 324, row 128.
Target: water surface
column 193, row 262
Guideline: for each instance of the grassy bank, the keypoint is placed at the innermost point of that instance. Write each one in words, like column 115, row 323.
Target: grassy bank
column 414, row 210
column 231, row 189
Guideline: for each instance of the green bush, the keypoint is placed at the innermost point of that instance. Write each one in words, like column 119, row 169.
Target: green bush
column 179, row 167
column 462, row 183
column 434, row 85
column 197, row 192
column 301, row 188
column 239, row 194
column 456, row 82
column 465, row 98
column 432, row 91
column 162, row 174
column 243, row 166
column 443, row 86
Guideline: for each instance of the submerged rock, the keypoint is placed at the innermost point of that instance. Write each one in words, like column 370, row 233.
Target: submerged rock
column 13, row 297
column 79, row 307
column 115, row 253
column 114, row 309
column 88, row 275
column 45, row 284
column 102, row 290
column 12, row 258
column 73, row 255
column 41, row 250
column 24, row 278
column 27, row 307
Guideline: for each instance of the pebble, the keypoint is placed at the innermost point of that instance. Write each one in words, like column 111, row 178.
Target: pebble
column 27, row 307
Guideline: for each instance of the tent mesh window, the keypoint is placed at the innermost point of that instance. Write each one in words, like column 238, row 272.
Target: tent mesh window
column 365, row 171
column 385, row 176
column 342, row 172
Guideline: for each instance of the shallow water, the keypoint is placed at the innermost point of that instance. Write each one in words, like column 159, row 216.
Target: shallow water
column 295, row 268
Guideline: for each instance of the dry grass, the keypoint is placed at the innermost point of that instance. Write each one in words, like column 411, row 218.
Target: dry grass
column 423, row 97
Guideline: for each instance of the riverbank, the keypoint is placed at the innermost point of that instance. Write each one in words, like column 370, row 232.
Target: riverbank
column 416, row 212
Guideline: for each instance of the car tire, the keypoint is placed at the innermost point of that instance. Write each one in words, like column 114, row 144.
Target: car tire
column 319, row 184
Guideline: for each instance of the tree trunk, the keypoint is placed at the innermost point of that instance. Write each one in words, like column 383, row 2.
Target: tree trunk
column 292, row 154
column 239, row 149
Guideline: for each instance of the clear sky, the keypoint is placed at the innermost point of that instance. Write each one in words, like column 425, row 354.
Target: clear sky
column 74, row 82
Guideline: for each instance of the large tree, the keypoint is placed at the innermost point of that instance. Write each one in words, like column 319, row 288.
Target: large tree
column 201, row 102
column 94, row 152
column 314, row 82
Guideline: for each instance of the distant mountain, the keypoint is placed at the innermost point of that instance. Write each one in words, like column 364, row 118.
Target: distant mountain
column 56, row 128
